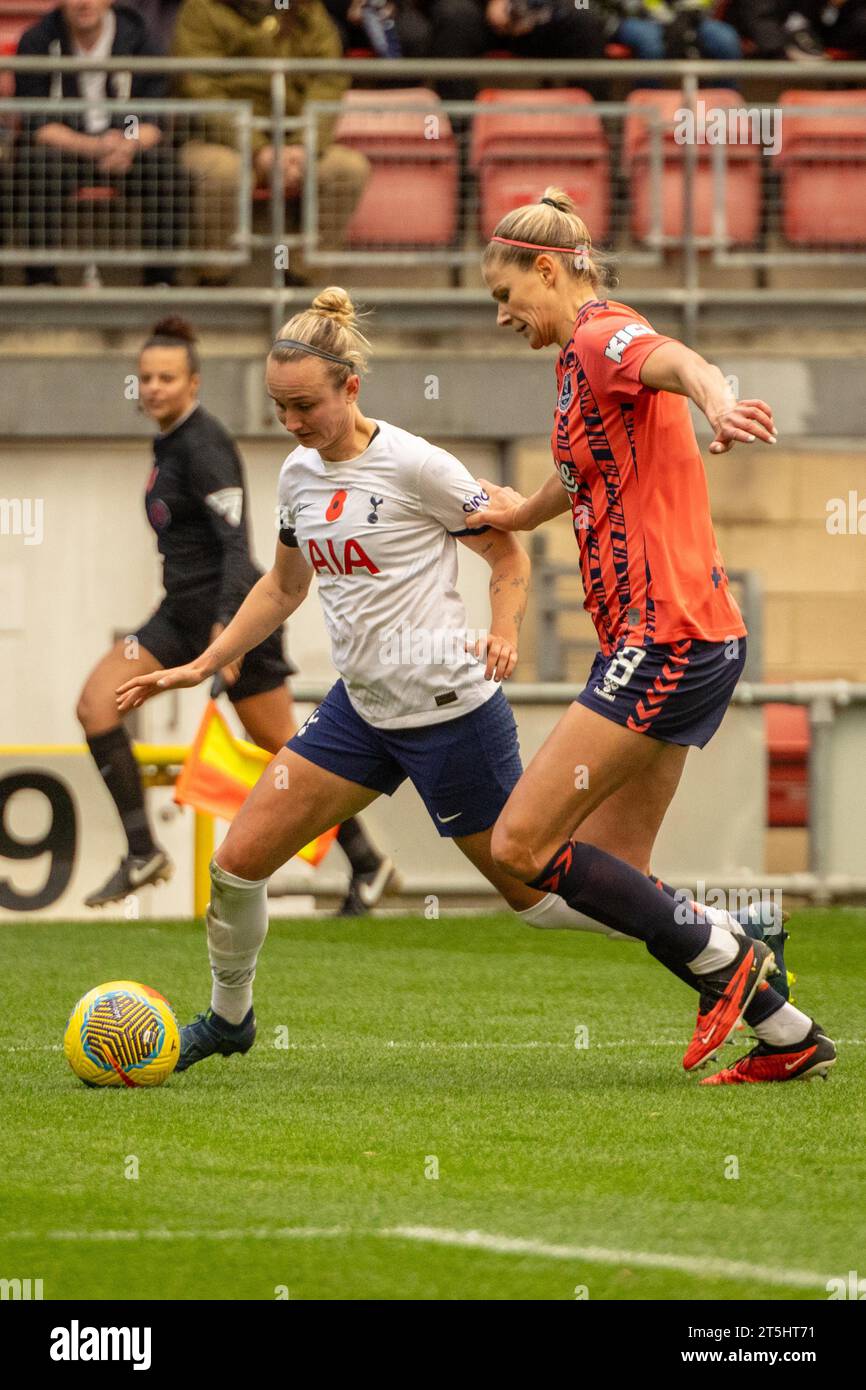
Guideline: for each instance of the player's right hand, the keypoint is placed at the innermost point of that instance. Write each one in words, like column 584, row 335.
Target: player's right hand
column 134, row 692
column 501, row 513
column 744, row 422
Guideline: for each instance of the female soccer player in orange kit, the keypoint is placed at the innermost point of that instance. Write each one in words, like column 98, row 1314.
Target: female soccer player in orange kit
column 672, row 639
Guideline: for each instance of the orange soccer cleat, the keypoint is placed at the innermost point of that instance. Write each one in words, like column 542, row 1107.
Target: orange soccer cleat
column 814, row 1056
column 725, row 995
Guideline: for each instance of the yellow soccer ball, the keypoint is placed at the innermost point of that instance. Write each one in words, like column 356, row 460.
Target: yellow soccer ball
column 122, row 1034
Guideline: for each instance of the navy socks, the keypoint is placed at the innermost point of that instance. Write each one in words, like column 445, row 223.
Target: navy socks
column 611, row 891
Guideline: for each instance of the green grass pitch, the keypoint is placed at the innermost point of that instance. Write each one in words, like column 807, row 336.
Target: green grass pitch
column 418, row 1048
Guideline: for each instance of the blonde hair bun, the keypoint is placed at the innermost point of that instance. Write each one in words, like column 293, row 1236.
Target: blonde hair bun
column 334, row 303
column 560, row 200
column 331, row 324
column 553, row 221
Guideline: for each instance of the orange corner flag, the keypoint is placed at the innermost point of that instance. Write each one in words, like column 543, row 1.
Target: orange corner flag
column 221, row 770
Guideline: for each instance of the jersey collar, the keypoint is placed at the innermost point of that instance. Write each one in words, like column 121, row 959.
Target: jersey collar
column 182, row 421
column 584, row 312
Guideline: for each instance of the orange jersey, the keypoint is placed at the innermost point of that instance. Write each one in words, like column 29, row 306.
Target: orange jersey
column 628, row 457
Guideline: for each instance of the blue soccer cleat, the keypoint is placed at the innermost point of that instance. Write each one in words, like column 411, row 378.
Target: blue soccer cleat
column 769, row 928
column 209, row 1033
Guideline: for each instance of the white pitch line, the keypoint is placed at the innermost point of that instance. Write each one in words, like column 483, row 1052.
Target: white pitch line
column 429, row 1044
column 161, row 1234
column 700, row 1266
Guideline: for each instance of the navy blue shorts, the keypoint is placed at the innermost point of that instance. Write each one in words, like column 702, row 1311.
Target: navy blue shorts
column 177, row 635
column 463, row 769
column 676, row 691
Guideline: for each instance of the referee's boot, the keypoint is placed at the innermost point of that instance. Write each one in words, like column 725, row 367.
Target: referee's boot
column 209, row 1033
column 366, row 890
column 134, row 872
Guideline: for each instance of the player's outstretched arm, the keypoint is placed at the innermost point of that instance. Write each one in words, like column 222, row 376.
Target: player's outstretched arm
column 509, row 591
column 268, row 604
column 511, row 511
column 675, row 367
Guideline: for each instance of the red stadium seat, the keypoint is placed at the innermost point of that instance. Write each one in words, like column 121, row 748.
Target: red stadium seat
column 515, row 154
column 8, row 45
column 788, row 740
column 743, row 178
column 410, row 198
column 11, row 29
column 97, row 193
column 15, row 17
column 823, row 170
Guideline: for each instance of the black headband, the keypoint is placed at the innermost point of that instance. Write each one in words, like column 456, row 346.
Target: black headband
column 308, row 347
column 550, row 203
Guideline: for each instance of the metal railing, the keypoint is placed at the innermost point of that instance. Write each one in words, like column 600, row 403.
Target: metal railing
column 633, row 244
column 829, row 804
column 554, row 611
column 147, row 211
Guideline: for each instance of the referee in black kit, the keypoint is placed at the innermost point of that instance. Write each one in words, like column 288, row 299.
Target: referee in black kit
column 196, row 503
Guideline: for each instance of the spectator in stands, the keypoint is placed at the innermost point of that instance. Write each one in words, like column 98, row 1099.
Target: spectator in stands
column 255, row 29
column 777, row 29
column 657, row 29
column 94, row 148
column 836, row 24
column 527, row 28
column 391, row 28
column 160, row 16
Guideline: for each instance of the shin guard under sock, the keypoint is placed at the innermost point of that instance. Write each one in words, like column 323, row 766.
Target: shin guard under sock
column 237, row 924
column 113, row 755
column 352, row 839
column 620, row 896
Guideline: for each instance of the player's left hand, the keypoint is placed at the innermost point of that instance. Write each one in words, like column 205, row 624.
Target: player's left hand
column 745, row 422
column 501, row 510
column 500, row 654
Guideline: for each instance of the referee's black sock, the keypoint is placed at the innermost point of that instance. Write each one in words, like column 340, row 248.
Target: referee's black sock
column 112, row 753
column 352, row 839
column 620, row 896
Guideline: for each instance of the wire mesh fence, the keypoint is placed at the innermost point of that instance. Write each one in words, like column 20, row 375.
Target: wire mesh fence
column 683, row 178
column 83, row 181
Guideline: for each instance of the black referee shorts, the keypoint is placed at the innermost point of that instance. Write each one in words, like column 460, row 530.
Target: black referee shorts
column 174, row 637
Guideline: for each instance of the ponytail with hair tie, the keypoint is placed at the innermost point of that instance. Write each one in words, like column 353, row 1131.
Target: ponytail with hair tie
column 553, row 225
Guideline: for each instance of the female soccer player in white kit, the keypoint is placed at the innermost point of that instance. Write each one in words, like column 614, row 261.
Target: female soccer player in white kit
column 375, row 512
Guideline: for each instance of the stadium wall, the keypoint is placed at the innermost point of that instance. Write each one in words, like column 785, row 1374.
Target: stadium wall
column 96, row 572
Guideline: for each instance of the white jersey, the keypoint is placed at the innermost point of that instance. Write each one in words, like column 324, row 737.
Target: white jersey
column 379, row 530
